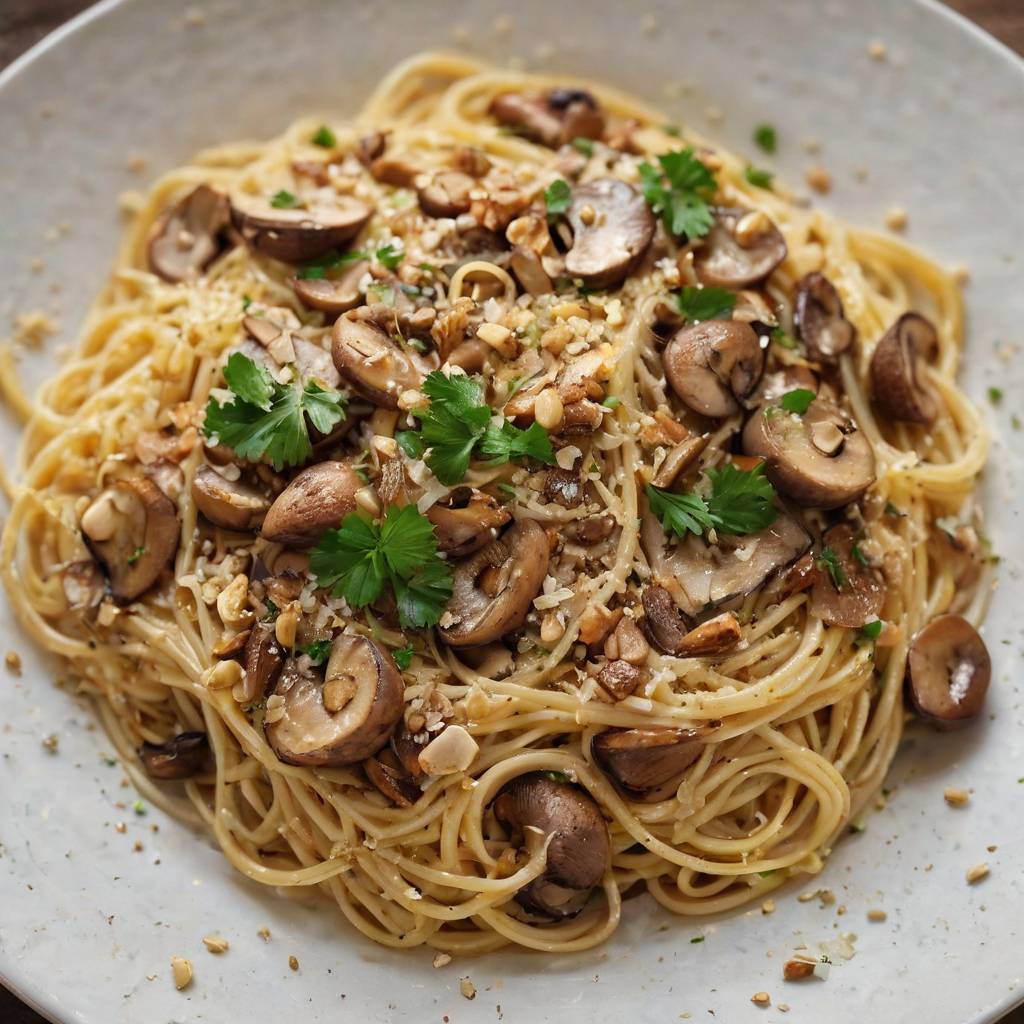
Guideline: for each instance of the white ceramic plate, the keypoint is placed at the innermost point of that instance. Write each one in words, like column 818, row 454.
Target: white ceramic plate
column 87, row 926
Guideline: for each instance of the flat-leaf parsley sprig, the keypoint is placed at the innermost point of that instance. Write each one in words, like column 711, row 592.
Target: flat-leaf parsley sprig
column 361, row 557
column 265, row 418
column 679, row 189
column 740, row 502
column 458, row 425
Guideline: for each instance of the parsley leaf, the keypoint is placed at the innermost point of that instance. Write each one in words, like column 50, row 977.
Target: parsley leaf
column 765, row 137
column 783, row 338
column 611, row 402
column 324, row 137
column 678, row 189
column 557, row 196
column 740, row 502
column 829, row 561
column 457, row 424
column 267, row 418
column 584, row 146
column 798, row 400
column 136, row 555
column 758, row 177
column 859, row 555
column 389, row 256
column 892, row 511
column 403, row 656
column 317, row 652
column 359, row 558
column 411, row 443
column 283, row 200
column 995, row 395
column 872, row 630
column 705, row 303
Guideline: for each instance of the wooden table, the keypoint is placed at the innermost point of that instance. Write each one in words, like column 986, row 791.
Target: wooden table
column 24, row 22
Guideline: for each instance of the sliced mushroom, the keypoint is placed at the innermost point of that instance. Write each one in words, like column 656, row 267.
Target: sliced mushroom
column 262, row 659
column 564, row 487
column 370, row 361
column 317, row 500
column 232, row 504
column 312, row 363
column 819, row 318
column 595, row 529
column 345, row 719
column 644, row 760
column 742, row 248
column 714, row 366
column 579, row 851
column 858, row 596
column 189, row 236
column 899, row 387
column 180, row 757
column 680, row 459
column 791, row 378
column 512, row 568
column 447, row 194
column 529, row 271
column 663, row 621
column 407, row 751
column 715, row 636
column 612, row 228
column 132, row 530
column 702, row 576
column 948, row 672
column 333, row 294
column 466, row 521
column 295, row 236
column 820, row 459
column 398, row 787
column 552, row 120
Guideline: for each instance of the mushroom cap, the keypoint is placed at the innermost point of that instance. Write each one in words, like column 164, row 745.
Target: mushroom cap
column 466, row 521
column 262, row 659
column 273, row 343
column 642, row 760
column 713, row 366
column 316, row 501
column 579, row 852
column 309, row 734
column 370, row 361
column 188, row 237
column 519, row 562
column 664, row 621
column 798, row 461
column 620, row 229
column 723, row 261
column 232, row 504
column 552, row 119
column 295, row 236
column 701, row 576
column 819, row 318
column 899, row 388
column 446, row 194
column 132, row 530
column 181, row 757
column 948, row 672
column 860, row 599
column 333, row 294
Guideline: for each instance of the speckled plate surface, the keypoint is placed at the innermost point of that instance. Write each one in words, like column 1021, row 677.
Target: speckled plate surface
column 87, row 926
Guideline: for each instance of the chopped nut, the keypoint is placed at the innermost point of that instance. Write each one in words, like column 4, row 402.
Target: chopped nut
column 442, row 959
column 264, row 934
column 977, row 873
column 181, row 971
column 751, row 227
column 293, row 962
column 338, row 692
column 412, row 399
column 452, row 751
column 554, row 339
column 877, row 49
column 711, row 637
column 876, row 915
column 12, row 659
column 286, row 626
column 956, row 797
column 794, row 970
column 597, row 622
column 768, row 907
column 467, row 988
column 548, row 409
column 223, row 675
column 232, row 603
column 215, row 944
column 896, row 218
column 819, row 179
column 628, row 643
column 761, row 999
column 551, row 628
column 50, row 742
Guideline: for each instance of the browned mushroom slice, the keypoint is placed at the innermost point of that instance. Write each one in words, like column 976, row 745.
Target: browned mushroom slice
column 820, row 459
column 579, row 851
column 714, row 366
column 899, row 387
column 493, row 590
column 345, row 719
column 612, row 228
column 295, row 236
column 188, row 238
column 619, row 678
column 333, row 294
column 407, row 751
column 398, row 787
column 317, row 500
column 948, row 672
column 704, row 575
column 819, row 318
column 642, row 760
column 857, row 596
column 529, row 271
column 181, row 757
column 564, row 487
column 370, row 361
column 281, row 345
column 791, row 378
column 742, row 248
column 262, row 659
column 132, row 530
column 446, row 194
column 552, row 120
column 663, row 621
column 232, row 504
column 466, row 520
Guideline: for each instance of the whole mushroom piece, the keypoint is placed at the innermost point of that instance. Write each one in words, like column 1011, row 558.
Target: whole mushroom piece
column 317, row 500
column 189, row 236
column 370, row 361
column 612, row 229
column 180, row 757
column 579, row 852
column 819, row 319
column 554, row 118
column 820, row 459
column 346, row 718
column 493, row 590
column 899, row 387
column 948, row 672
column 860, row 597
column 742, row 248
column 466, row 521
column 333, row 294
column 643, row 761
column 231, row 504
column 714, row 366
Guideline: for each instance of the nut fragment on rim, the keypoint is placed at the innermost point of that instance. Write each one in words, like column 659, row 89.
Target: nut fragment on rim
column 215, row 944
column 12, row 659
column 761, row 999
column 181, row 971
column 338, row 692
column 467, row 988
column 795, row 970
column 956, row 797
column 977, row 873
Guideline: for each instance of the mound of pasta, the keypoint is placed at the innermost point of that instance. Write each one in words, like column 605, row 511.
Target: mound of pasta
column 502, row 504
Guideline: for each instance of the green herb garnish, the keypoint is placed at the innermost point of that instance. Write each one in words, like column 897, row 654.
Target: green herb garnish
column 995, row 395
column 557, row 197
column 765, row 137
column 872, row 630
column 324, row 137
column 828, row 560
column 707, row 303
column 584, row 146
column 759, row 177
column 317, row 652
column 783, row 338
column 797, row 401
column 403, row 656
column 679, row 190
column 284, row 200
column 136, row 555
